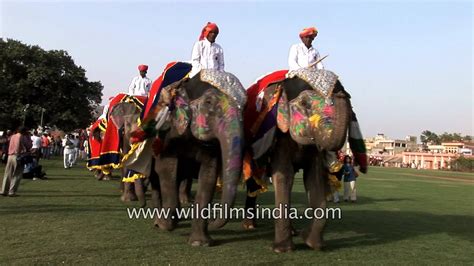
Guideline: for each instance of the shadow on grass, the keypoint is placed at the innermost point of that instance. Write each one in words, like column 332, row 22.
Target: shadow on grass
column 371, row 228
column 361, row 200
column 11, row 210
column 381, row 227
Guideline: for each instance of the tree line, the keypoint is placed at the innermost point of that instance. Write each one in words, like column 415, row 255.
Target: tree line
column 37, row 84
column 429, row 137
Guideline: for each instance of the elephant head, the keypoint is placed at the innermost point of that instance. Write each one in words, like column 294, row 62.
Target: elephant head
column 208, row 113
column 125, row 115
column 310, row 116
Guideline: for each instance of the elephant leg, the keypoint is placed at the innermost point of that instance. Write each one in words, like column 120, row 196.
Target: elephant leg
column 128, row 192
column 206, row 186
column 250, row 204
column 166, row 169
column 140, row 191
column 315, row 185
column 188, row 169
column 185, row 190
column 283, row 175
column 155, row 187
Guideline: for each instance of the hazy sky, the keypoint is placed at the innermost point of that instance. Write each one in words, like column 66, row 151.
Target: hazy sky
column 407, row 65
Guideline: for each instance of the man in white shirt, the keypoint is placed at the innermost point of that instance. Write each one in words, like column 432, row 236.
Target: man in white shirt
column 304, row 54
column 140, row 85
column 207, row 54
column 36, row 142
column 68, row 145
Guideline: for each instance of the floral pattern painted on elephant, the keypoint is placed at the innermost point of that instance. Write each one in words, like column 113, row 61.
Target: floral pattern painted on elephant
column 181, row 114
column 311, row 112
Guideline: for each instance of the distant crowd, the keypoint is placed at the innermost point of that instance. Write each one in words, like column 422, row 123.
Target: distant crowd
column 22, row 150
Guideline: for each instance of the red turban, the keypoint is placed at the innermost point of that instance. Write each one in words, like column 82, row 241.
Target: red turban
column 208, row 28
column 142, row 67
column 306, row 32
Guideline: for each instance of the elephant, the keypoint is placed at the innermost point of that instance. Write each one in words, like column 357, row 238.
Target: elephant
column 125, row 116
column 312, row 118
column 205, row 125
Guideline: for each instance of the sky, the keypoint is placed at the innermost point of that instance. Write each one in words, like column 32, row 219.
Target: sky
column 407, row 64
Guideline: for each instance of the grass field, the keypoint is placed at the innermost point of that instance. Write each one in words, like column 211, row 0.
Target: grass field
column 402, row 216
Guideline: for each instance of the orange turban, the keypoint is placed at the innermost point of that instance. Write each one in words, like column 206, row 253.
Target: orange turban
column 142, row 67
column 306, row 32
column 208, row 28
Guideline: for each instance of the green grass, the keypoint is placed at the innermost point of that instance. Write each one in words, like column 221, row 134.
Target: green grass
column 402, row 216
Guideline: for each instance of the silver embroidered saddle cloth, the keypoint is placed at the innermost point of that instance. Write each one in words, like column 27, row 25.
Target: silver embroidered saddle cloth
column 322, row 81
column 227, row 83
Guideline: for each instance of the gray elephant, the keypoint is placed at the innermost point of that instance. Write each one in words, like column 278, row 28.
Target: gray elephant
column 204, row 125
column 311, row 112
column 126, row 116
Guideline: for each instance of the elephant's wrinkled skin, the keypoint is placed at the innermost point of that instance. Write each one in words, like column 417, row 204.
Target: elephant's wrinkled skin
column 206, row 126
column 125, row 116
column 288, row 154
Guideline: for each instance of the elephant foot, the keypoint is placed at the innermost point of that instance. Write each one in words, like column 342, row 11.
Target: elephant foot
column 284, row 246
column 249, row 224
column 200, row 241
column 163, row 224
column 293, row 231
column 142, row 203
column 126, row 197
column 315, row 243
column 106, row 178
column 185, row 200
column 99, row 176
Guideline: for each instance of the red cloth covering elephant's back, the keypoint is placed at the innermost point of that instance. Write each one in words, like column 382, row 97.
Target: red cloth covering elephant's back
column 251, row 114
column 110, row 152
column 93, row 156
column 173, row 72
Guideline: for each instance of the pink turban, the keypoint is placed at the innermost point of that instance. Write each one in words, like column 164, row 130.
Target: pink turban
column 142, row 67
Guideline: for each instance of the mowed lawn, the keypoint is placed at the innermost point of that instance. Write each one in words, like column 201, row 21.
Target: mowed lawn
column 402, row 216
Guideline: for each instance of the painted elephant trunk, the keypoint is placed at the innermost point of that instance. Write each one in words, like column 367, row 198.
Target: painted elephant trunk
column 231, row 149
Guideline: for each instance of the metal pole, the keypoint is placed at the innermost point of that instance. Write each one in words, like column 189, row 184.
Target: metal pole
column 41, row 123
column 24, row 114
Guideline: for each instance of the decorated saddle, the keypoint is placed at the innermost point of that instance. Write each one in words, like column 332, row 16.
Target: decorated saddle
column 227, row 83
column 138, row 159
column 110, row 150
column 95, row 142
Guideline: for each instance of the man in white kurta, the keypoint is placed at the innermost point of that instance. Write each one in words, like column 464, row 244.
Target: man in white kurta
column 141, row 84
column 207, row 54
column 304, row 54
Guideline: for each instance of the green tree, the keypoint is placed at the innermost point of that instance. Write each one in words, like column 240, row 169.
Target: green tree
column 428, row 137
column 32, row 78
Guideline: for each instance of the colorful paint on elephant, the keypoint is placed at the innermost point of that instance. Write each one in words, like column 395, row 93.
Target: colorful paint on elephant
column 110, row 153
column 311, row 112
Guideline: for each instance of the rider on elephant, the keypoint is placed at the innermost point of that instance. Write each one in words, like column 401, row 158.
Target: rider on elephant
column 260, row 119
column 304, row 54
column 141, row 84
column 207, row 54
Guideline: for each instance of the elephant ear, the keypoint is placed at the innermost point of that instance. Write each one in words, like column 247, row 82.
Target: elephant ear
column 283, row 116
column 124, row 113
column 181, row 113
